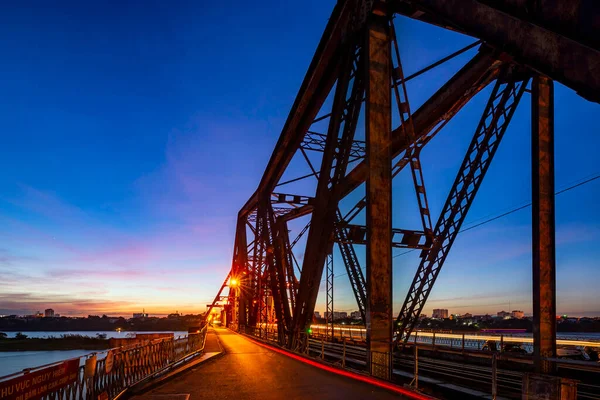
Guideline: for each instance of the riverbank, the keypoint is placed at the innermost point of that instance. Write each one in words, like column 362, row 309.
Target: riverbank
column 54, row 343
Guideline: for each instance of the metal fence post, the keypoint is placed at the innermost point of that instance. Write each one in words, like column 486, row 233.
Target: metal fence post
column 416, row 377
column 344, row 355
column 494, row 376
column 322, row 348
column 433, row 340
column 501, row 342
column 463, row 342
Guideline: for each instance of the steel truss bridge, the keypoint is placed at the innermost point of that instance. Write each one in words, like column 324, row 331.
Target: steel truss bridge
column 356, row 75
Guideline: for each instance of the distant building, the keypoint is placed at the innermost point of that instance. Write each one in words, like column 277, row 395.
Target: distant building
column 467, row 315
column 355, row 315
column 174, row 315
column 49, row 313
column 503, row 314
column 440, row 313
column 340, row 315
column 422, row 316
column 517, row 314
column 317, row 315
column 337, row 315
column 140, row 315
column 39, row 314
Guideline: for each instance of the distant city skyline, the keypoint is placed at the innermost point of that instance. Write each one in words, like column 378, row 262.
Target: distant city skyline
column 128, row 150
column 319, row 314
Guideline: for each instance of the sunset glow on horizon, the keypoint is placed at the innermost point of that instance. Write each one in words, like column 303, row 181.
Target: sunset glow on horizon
column 133, row 135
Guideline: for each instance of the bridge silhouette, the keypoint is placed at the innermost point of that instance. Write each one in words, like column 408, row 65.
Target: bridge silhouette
column 523, row 46
column 267, row 347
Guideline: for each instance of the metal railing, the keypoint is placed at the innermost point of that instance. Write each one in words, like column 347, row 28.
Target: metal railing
column 107, row 374
column 497, row 373
column 464, row 340
column 490, row 372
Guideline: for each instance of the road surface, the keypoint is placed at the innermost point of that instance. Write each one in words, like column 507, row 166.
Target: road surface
column 249, row 371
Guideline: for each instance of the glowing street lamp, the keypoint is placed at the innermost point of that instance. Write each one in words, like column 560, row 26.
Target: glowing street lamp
column 233, row 282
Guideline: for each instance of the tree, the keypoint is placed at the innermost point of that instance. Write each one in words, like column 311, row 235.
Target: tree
column 20, row 336
column 3, row 335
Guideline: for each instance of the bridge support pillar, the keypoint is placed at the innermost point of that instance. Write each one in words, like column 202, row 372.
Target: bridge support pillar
column 379, row 197
column 543, row 240
column 546, row 387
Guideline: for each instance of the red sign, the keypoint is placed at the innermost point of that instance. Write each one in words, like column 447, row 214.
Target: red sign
column 36, row 384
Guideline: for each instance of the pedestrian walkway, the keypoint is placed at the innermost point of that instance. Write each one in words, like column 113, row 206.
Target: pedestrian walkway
column 212, row 342
column 249, row 371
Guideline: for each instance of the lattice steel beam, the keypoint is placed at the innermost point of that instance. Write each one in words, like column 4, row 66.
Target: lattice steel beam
column 439, row 109
column 316, row 142
column 291, row 199
column 276, row 263
column 320, row 77
column 355, row 274
column 342, row 124
column 496, row 117
column 401, row 238
column 329, row 296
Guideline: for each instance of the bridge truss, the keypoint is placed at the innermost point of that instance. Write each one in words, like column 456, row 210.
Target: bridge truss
column 356, row 77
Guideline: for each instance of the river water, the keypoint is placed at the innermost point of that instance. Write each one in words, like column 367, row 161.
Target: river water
column 11, row 362
column 15, row 361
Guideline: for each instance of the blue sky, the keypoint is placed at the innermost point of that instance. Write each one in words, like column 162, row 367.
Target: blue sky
column 133, row 133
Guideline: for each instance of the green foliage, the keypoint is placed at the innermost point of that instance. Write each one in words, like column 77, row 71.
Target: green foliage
column 20, row 336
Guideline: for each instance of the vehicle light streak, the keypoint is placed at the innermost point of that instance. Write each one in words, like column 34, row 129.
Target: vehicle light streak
column 367, row 379
column 506, row 339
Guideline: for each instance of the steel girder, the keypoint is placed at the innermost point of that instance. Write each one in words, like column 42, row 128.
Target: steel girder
column 401, row 238
column 286, row 257
column 329, row 296
column 543, row 224
column 436, row 111
column 342, row 124
column 559, row 39
column 444, row 104
column 378, row 126
column 319, row 79
column 276, row 265
column 316, row 142
column 355, row 274
column 557, row 33
column 494, row 121
column 240, row 271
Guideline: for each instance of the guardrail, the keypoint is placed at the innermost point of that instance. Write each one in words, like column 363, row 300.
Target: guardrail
column 102, row 375
column 490, row 372
column 493, row 372
column 470, row 341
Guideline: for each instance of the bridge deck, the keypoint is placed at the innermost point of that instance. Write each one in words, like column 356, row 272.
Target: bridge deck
column 249, row 371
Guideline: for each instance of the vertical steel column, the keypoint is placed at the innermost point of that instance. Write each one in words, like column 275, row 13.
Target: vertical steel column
column 543, row 251
column 242, row 271
column 329, row 298
column 326, row 198
column 379, row 197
